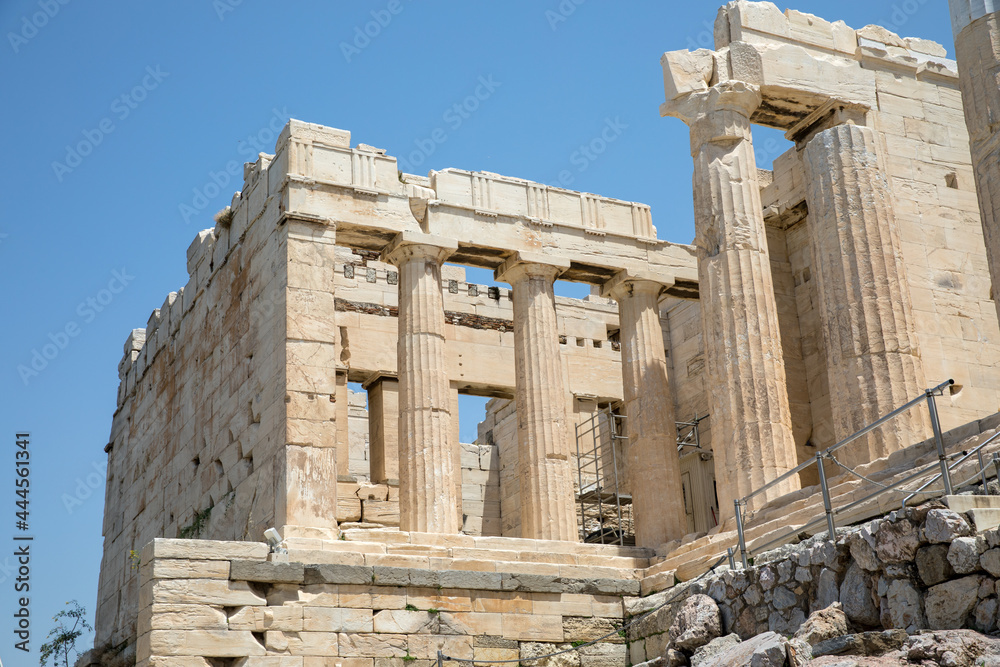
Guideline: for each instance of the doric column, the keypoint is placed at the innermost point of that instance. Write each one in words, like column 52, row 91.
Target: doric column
column 873, row 360
column 427, row 490
column 751, row 420
column 654, row 467
column 976, row 25
column 548, row 507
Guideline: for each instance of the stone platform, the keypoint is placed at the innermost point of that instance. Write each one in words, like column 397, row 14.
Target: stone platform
column 381, row 594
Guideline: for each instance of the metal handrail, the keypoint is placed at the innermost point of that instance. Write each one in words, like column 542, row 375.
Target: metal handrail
column 830, row 512
column 965, row 457
column 851, row 438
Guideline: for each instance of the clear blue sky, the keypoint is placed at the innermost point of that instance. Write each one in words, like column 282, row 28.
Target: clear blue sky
column 201, row 84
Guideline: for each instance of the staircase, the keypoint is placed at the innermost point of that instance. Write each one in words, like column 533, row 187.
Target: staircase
column 692, row 558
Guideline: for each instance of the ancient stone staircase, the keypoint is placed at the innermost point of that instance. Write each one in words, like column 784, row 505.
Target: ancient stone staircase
column 692, row 558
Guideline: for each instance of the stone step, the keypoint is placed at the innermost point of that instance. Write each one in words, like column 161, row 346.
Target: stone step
column 696, row 557
column 965, row 503
column 985, row 518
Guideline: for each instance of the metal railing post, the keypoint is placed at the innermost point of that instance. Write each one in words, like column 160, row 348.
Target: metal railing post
column 982, row 471
column 996, row 465
column 936, row 425
column 739, row 533
column 830, row 525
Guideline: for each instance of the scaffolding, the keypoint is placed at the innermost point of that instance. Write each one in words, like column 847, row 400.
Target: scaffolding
column 605, row 514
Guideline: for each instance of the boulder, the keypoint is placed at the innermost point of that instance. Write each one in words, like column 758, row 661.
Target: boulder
column 862, row 551
column 862, row 643
column 990, row 561
column 948, row 605
column 943, row 525
column 960, row 648
column 964, row 552
column 697, row 623
column 823, row 624
column 674, row 658
column 856, row 597
column 896, row 541
column 713, row 648
column 764, row 650
column 904, row 609
column 827, row 592
column 984, row 617
column 932, row 564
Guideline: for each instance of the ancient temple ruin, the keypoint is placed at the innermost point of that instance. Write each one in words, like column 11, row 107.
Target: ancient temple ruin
column 815, row 298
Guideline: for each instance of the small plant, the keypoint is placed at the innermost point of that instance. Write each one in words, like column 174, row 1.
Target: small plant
column 70, row 624
column 193, row 529
column 433, row 611
column 133, row 557
column 410, row 607
column 577, row 644
column 408, row 657
column 343, row 536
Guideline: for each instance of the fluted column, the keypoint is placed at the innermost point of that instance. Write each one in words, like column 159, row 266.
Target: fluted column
column 653, row 463
column 548, row 507
column 873, row 359
column 428, row 498
column 976, row 25
column 751, row 420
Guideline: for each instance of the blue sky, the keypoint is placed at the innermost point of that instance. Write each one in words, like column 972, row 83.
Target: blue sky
column 125, row 121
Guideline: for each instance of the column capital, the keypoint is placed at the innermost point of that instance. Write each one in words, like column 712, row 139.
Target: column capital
column 625, row 283
column 378, row 376
column 828, row 115
column 407, row 245
column 738, row 96
column 529, row 264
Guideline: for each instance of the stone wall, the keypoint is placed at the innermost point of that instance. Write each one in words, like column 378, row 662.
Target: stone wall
column 197, row 440
column 922, row 568
column 353, row 603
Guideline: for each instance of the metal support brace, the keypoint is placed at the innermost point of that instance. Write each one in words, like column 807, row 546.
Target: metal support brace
column 827, row 505
column 936, row 425
column 739, row 532
column 732, row 562
column 982, row 472
column 996, row 465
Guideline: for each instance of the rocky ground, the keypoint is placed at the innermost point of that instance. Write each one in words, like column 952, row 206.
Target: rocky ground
column 826, row 639
column 919, row 587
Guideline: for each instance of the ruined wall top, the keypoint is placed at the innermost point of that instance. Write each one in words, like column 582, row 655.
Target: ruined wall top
column 799, row 61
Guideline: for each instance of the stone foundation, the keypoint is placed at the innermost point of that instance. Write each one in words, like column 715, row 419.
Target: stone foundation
column 359, row 602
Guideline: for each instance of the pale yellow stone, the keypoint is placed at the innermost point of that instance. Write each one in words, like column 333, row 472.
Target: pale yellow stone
column 207, row 643
column 372, row 645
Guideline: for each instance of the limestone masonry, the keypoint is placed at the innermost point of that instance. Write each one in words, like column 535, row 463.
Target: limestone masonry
column 814, row 299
